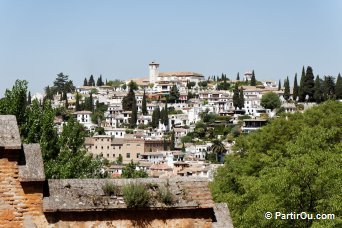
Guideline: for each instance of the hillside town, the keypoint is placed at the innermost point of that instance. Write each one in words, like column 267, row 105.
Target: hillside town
column 170, row 123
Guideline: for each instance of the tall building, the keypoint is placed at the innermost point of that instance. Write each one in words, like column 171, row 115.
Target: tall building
column 154, row 71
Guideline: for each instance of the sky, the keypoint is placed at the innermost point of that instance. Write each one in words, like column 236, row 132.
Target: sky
column 118, row 39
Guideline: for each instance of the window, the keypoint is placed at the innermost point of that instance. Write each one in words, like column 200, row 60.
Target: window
column 107, row 155
column 113, row 155
column 119, row 147
column 101, row 147
column 95, row 147
column 138, row 155
column 128, row 155
column 108, row 147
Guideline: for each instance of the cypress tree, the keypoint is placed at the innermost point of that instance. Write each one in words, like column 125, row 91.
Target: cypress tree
column 309, row 84
column 338, row 87
column 143, row 105
column 91, row 81
column 329, row 87
column 236, row 96
column 287, row 89
column 295, row 88
column 134, row 116
column 85, row 82
column 279, row 85
column 166, row 115
column 164, row 145
column 66, row 101
column 253, row 80
column 29, row 98
column 77, row 105
column 318, row 95
column 241, row 99
column 301, row 94
column 238, row 77
column 172, row 141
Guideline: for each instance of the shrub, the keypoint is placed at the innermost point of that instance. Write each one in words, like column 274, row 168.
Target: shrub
column 165, row 196
column 110, row 189
column 136, row 195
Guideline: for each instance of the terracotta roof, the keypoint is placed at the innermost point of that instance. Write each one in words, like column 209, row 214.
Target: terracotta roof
column 179, row 74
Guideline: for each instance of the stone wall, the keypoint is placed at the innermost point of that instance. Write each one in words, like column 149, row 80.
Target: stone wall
column 28, row 200
column 19, row 202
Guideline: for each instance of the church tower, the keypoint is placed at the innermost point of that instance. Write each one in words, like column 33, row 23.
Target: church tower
column 154, row 71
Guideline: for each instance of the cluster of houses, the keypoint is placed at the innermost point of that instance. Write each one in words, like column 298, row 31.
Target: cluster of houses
column 146, row 145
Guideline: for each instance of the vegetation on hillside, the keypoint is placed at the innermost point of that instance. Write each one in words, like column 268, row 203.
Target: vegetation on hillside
column 291, row 165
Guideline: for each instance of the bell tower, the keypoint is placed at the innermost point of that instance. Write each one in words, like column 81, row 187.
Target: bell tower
column 154, row 71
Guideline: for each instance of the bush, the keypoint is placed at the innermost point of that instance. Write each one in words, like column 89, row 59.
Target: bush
column 110, row 189
column 136, row 195
column 165, row 196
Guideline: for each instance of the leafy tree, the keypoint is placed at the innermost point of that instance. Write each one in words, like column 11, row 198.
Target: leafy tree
column 218, row 149
column 119, row 160
column 241, row 99
column 174, row 94
column 295, row 88
column 60, row 82
column 236, row 100
column 338, row 87
column 318, row 95
column 253, row 80
column 270, row 100
column 287, row 89
column 32, row 127
column 144, row 107
column 130, row 171
column 15, row 101
column 203, row 84
column 297, row 156
column 85, row 82
column 238, row 77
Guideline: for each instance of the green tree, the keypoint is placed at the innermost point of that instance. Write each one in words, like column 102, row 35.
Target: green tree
column 31, row 130
column 301, row 94
column 129, row 99
column 241, row 99
column 60, row 82
column 318, row 95
column 218, row 149
column 15, row 101
column 291, row 164
column 238, row 77
column 85, row 82
column 295, row 88
column 119, row 160
column 236, row 100
column 279, row 85
column 174, row 94
column 77, row 104
column 307, row 86
column 143, row 105
column 172, row 141
column 287, row 89
column 270, row 100
column 134, row 117
column 155, row 117
column 29, row 98
column 130, row 171
column 253, row 80
column 329, row 87
column 166, row 115
column 338, row 87
column 91, row 81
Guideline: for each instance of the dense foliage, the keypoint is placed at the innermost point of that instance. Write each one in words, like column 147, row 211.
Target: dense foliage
column 290, row 165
